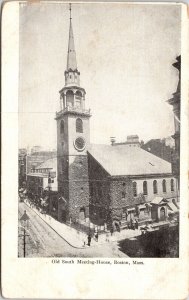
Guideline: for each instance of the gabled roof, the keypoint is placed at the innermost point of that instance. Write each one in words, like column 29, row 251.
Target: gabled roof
column 172, row 207
column 158, row 200
column 124, row 160
column 49, row 164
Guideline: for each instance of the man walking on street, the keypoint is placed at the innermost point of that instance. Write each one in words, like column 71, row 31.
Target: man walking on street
column 89, row 240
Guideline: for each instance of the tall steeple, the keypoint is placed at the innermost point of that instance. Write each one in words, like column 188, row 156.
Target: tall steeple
column 73, row 139
column 71, row 57
column 71, row 73
column 72, row 95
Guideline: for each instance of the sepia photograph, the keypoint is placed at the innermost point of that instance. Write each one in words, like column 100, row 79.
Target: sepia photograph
column 99, row 130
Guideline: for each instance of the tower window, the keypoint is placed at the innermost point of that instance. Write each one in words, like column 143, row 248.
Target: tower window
column 62, row 126
column 123, row 194
column 155, row 186
column 79, row 125
column 172, row 185
column 164, row 185
column 145, row 188
column 78, row 98
column 70, row 98
column 134, row 189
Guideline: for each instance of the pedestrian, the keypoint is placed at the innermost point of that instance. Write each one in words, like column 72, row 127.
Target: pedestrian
column 136, row 224
column 131, row 224
column 111, row 230
column 89, row 240
column 96, row 236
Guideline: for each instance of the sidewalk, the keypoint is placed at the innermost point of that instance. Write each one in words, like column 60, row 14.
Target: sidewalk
column 73, row 237
column 76, row 238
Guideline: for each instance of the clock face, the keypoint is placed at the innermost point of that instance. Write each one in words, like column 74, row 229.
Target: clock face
column 79, row 143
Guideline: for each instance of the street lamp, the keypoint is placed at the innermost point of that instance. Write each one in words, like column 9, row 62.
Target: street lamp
column 24, row 220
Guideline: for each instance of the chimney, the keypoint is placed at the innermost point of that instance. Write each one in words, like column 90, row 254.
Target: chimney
column 112, row 140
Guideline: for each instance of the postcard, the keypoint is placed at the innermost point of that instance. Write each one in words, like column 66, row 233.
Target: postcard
column 94, row 150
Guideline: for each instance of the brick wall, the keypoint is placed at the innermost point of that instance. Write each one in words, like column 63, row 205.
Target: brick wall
column 78, row 186
column 99, row 186
column 121, row 196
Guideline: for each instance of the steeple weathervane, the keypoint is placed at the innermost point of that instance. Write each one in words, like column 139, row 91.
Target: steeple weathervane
column 70, row 8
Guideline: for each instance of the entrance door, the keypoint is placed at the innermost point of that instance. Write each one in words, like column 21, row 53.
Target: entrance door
column 82, row 214
column 162, row 214
column 63, row 216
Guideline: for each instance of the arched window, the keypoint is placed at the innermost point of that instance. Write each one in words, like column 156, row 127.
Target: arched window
column 164, row 185
column 70, row 98
column 172, row 185
column 62, row 126
column 79, row 125
column 145, row 188
column 155, row 186
column 134, row 189
column 78, row 97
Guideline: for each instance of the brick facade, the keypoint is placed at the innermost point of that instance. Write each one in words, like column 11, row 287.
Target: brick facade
column 73, row 183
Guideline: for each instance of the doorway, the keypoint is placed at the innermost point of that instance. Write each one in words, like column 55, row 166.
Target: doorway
column 162, row 214
column 82, row 214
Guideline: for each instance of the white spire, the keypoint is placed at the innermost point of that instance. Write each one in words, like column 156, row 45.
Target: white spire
column 71, row 57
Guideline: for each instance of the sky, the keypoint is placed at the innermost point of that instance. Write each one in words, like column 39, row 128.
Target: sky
column 124, row 54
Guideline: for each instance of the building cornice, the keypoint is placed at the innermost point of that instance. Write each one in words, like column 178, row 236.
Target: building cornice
column 141, row 176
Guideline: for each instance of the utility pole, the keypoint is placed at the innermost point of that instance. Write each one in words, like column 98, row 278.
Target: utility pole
column 24, row 221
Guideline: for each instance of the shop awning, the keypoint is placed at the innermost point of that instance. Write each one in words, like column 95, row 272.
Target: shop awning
column 142, row 206
column 130, row 209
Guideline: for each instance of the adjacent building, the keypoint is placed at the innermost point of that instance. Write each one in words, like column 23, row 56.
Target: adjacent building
column 175, row 102
column 162, row 148
column 42, row 185
column 22, row 155
column 36, row 158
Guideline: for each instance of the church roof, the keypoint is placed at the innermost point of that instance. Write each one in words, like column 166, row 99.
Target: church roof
column 123, row 160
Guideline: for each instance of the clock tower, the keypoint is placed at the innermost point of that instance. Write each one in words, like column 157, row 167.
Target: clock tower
column 73, row 138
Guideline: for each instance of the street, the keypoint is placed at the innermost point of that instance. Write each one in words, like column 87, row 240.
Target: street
column 43, row 241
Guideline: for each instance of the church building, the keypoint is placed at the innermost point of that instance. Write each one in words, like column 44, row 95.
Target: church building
column 102, row 184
